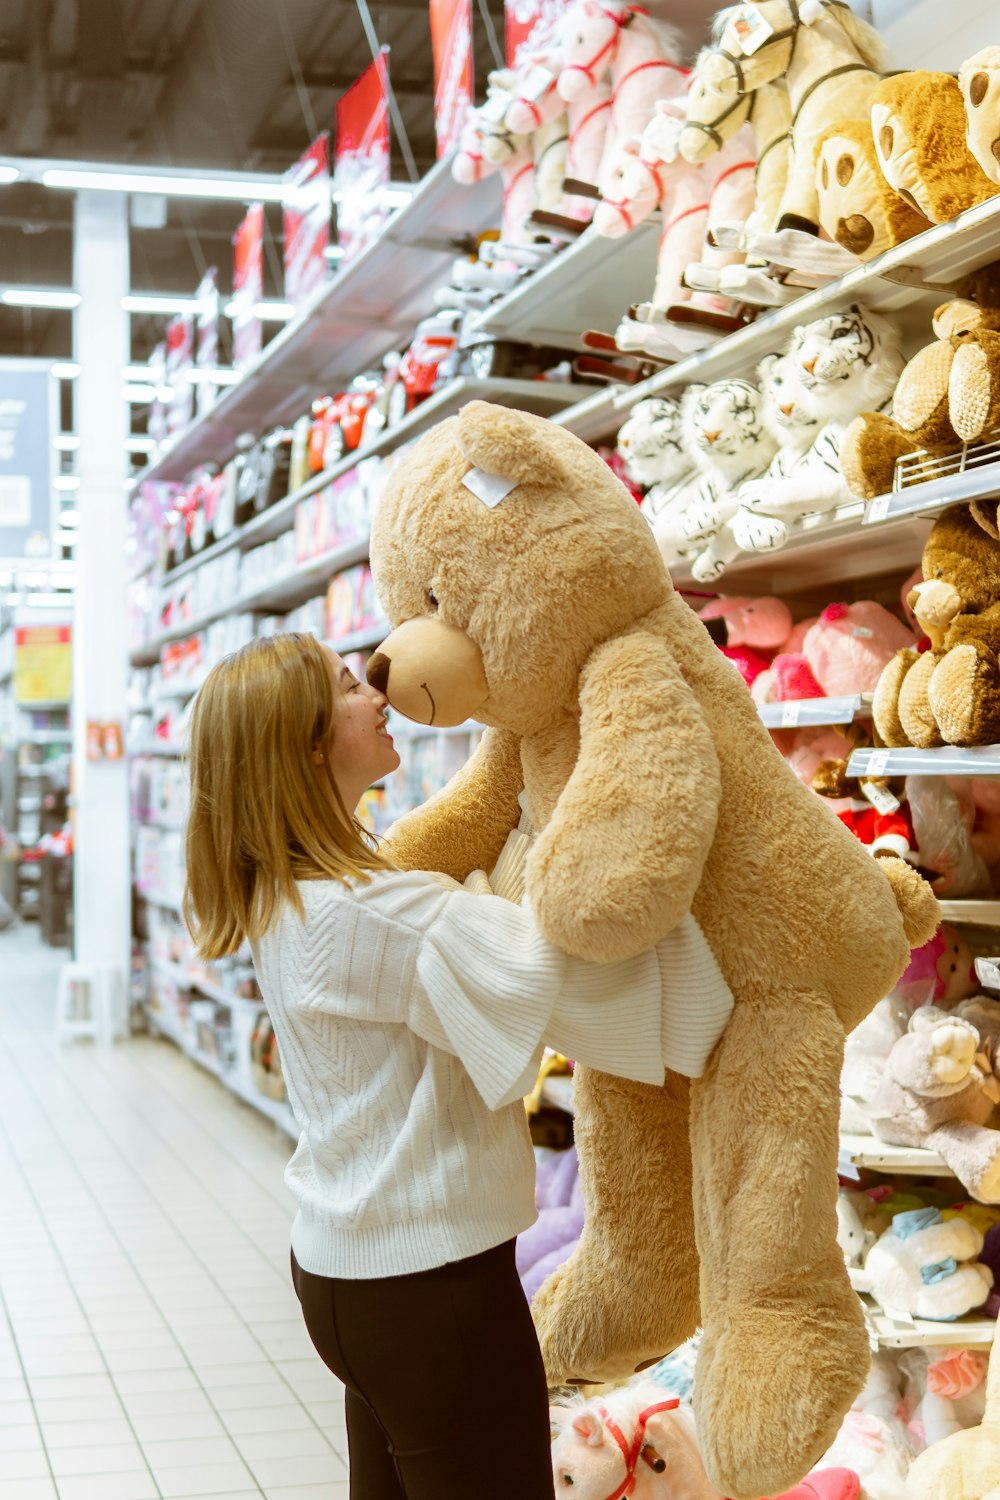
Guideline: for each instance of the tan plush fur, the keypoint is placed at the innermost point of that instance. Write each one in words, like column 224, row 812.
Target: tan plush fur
column 857, row 207
column 918, row 122
column 656, row 790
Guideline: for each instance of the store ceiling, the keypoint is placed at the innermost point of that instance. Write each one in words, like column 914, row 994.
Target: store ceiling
column 229, row 84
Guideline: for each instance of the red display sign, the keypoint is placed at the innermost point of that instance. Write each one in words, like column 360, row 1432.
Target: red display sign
column 451, row 38
column 530, row 25
column 361, row 174
column 180, row 357
column 307, row 222
column 248, row 286
column 206, row 355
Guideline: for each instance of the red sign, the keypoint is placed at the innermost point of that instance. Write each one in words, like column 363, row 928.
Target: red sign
column 530, row 25
column 451, row 38
column 248, row 286
column 361, row 174
column 307, row 222
column 206, row 355
column 180, row 357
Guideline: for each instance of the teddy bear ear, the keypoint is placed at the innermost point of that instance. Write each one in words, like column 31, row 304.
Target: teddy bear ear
column 511, row 444
column 984, row 513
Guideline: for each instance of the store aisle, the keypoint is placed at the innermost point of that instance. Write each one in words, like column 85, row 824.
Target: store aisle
column 150, row 1341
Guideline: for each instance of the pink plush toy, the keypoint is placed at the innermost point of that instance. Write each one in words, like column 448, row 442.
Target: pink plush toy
column 788, row 678
column 850, row 644
column 755, row 630
column 536, row 102
column 636, row 1443
column 939, row 973
column 805, row 748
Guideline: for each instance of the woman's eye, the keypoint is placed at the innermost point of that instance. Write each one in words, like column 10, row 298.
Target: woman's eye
column 432, row 599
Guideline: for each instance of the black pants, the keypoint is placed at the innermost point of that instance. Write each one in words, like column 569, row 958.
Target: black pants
column 446, row 1393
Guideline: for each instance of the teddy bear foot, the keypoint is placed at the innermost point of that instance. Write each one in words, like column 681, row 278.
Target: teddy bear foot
column 962, row 687
column 773, row 1382
column 595, row 1326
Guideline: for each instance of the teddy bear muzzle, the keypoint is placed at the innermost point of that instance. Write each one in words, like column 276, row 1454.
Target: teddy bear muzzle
column 430, row 671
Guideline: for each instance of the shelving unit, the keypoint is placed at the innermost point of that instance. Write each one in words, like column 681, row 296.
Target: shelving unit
column 973, row 1331
column 947, row 760
column 800, row 712
column 866, row 1151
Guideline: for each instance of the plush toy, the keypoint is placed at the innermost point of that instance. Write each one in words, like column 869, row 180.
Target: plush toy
column 550, row 1241
column 918, row 123
column 966, row 1465
column 787, row 679
column 725, row 432
column 526, row 589
column 829, row 61
column 857, row 207
column 754, row 629
column 536, row 102
column 977, row 79
column 950, row 694
column 939, row 973
column 652, row 444
column 943, row 1393
column 947, row 395
column 924, row 1267
column 942, row 822
column 872, row 1441
column 876, row 811
column 838, row 365
column 804, row 749
column 866, row 1052
column 850, row 644
column 939, row 1091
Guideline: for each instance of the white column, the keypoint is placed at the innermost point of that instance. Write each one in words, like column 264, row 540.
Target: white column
column 100, row 788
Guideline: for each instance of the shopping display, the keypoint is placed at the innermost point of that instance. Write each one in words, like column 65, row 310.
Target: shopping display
column 647, row 458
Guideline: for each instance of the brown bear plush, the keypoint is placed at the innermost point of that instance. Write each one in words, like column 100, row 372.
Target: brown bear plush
column 509, row 557
column 918, row 122
column 951, row 693
column 948, row 394
column 979, row 81
column 857, row 207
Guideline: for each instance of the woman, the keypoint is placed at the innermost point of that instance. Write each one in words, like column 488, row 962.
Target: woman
column 410, row 1015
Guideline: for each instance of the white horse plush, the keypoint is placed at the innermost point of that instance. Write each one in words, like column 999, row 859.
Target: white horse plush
column 636, row 1441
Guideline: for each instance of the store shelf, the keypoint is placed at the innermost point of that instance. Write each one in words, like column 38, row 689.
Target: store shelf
column 972, row 911
column 352, row 321
column 972, row 1331
column 808, row 711
column 923, row 268
column 183, row 977
column 360, row 640
column 866, row 1151
column 932, row 496
column 588, row 285
column 948, row 760
column 557, row 1092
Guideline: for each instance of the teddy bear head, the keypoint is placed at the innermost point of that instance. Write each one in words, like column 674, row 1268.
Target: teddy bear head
column 857, row 207
column 651, row 442
column 504, row 551
column 961, row 553
column 979, row 81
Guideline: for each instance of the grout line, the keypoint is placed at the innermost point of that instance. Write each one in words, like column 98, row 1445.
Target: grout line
column 27, row 1382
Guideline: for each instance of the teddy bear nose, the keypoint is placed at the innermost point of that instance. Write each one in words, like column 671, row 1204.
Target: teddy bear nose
column 377, row 671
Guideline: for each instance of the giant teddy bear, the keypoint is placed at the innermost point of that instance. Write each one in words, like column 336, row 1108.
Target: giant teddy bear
column 526, row 588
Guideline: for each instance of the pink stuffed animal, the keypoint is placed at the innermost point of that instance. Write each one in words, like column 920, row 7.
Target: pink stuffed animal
column 755, row 629
column 850, row 644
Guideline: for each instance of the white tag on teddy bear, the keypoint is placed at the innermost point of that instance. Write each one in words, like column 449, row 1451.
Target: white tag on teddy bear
column 880, row 797
column 862, row 632
column 752, row 30
column 988, row 972
column 489, row 488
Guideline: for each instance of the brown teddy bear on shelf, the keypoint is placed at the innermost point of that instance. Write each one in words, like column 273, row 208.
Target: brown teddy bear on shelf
column 951, row 693
column 857, row 207
column 948, row 394
column 527, row 590
column 918, row 124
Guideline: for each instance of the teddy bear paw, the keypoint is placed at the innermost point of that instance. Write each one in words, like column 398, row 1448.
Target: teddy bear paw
column 961, row 693
column 951, row 1051
column 597, row 1324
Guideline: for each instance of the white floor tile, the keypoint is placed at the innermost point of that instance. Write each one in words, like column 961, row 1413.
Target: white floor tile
column 170, row 1453
column 267, row 1419
column 295, row 1444
column 177, row 1427
column 177, row 1378
column 308, row 1491
column 203, row 1479
column 57, row 1387
column 24, row 1437
column 30, row 1489
column 97, row 1458
column 14, row 1413
column 88, row 1433
column 310, row 1468
column 165, row 1403
column 139, row 1485
column 65, row 1409
column 30, row 1465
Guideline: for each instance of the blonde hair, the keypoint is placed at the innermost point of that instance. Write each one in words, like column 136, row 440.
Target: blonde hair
column 258, row 820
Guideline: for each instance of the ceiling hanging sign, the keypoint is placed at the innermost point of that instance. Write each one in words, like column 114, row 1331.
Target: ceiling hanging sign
column 43, row 663
column 361, row 173
column 530, row 25
column 28, row 425
column 451, row 37
column 307, row 222
column 248, row 287
column 206, row 354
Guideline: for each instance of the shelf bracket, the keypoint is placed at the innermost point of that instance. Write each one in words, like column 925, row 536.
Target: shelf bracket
column 912, row 276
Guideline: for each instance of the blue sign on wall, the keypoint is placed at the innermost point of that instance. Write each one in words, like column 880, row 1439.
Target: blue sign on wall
column 27, row 459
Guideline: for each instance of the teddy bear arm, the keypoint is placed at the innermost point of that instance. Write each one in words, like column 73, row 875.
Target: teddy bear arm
column 868, row 454
column 973, row 1153
column 465, row 825
column 618, row 864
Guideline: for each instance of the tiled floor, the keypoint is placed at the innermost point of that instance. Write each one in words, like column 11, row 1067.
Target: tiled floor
column 150, row 1341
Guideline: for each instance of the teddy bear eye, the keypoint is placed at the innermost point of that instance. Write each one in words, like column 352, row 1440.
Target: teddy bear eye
column 432, row 599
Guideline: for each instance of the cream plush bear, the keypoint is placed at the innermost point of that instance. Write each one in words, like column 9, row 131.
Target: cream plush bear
column 527, row 590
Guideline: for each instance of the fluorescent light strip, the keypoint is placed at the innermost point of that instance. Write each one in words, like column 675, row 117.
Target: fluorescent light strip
column 67, row 482
column 27, row 296
column 268, row 312
column 155, row 302
column 239, row 190
column 69, row 518
column 8, row 175
column 66, row 442
column 64, row 370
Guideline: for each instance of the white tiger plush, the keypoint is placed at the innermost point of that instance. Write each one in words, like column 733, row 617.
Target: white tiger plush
column 652, row 445
column 725, row 432
column 839, row 365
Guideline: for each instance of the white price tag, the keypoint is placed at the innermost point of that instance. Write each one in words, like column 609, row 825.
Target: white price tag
column 877, row 763
column 789, row 715
column 536, row 82
column 489, row 488
column 862, row 633
column 752, row 30
column 878, row 509
column 880, row 797
column 988, row 972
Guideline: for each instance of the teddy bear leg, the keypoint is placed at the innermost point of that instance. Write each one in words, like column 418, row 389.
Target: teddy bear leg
column 973, row 1153
column 885, row 706
column 629, row 1292
column 964, row 695
column 872, row 444
column 784, row 1349
column 916, row 714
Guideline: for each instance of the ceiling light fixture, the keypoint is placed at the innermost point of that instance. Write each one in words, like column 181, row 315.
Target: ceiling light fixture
column 9, row 174
column 268, row 312
column 139, row 393
column 66, row 442
column 235, row 189
column 64, row 370
column 28, row 296
column 154, row 302
column 67, row 481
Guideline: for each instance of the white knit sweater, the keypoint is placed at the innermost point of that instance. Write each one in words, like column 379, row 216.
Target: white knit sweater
column 410, row 1016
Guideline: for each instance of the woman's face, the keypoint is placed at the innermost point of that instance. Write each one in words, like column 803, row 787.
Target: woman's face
column 361, row 749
